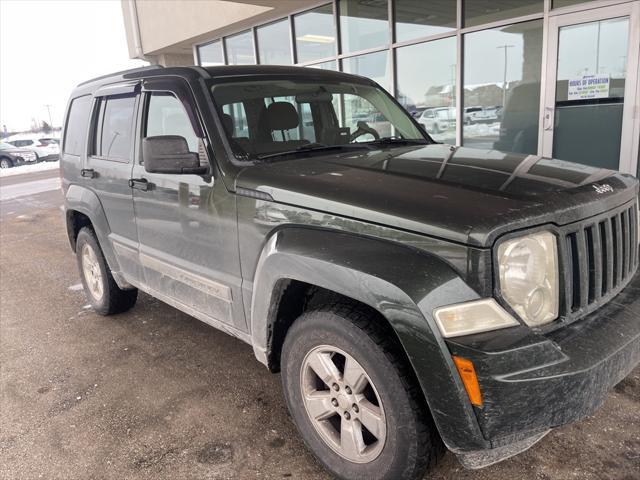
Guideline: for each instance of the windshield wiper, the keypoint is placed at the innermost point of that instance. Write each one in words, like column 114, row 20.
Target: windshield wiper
column 399, row 141
column 314, row 147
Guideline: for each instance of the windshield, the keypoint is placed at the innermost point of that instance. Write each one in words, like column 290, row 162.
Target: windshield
column 272, row 118
column 6, row 146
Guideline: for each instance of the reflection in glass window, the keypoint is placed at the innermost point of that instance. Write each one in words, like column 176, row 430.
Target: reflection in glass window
column 75, row 134
column 501, row 91
column 117, row 125
column 211, row 54
column 274, row 44
column 315, row 34
column 373, row 65
column 363, row 24
column 325, row 65
column 235, row 120
column 166, row 116
column 429, row 93
column 240, row 49
column 479, row 12
column 417, row 18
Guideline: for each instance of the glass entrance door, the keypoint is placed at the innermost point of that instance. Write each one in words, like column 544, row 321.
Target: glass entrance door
column 591, row 89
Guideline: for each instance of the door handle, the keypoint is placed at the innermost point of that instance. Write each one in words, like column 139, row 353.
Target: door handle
column 140, row 184
column 548, row 112
column 88, row 173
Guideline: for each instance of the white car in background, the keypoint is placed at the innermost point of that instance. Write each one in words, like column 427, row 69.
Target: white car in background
column 46, row 148
column 438, row 120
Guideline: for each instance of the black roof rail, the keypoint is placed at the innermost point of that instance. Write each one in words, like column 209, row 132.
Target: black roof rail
column 122, row 72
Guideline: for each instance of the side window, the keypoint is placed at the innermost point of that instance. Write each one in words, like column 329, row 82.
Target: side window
column 75, row 134
column 166, row 116
column 113, row 138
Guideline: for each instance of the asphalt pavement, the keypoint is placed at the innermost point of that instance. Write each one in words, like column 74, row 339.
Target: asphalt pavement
column 156, row 394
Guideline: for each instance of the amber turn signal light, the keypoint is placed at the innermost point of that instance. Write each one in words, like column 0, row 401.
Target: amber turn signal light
column 469, row 379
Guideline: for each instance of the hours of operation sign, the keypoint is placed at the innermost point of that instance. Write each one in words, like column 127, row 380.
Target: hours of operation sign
column 588, row 86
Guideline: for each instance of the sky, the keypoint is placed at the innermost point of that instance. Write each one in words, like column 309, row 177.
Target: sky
column 47, row 47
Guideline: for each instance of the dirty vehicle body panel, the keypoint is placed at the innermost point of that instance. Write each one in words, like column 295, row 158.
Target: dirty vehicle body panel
column 403, row 229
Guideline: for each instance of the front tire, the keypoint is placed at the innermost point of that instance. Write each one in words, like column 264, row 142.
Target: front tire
column 5, row 163
column 101, row 289
column 353, row 398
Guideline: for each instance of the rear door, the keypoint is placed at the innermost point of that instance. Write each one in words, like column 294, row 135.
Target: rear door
column 186, row 223
column 107, row 169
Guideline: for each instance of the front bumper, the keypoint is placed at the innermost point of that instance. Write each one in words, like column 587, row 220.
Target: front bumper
column 531, row 382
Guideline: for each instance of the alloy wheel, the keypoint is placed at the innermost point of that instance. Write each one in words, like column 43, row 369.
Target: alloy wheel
column 343, row 404
column 92, row 272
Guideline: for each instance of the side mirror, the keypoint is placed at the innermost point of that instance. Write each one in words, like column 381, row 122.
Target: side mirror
column 170, row 154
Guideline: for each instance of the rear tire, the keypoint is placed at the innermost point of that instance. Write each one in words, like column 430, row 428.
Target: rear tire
column 395, row 438
column 101, row 289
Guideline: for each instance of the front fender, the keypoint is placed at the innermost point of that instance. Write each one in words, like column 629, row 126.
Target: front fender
column 402, row 283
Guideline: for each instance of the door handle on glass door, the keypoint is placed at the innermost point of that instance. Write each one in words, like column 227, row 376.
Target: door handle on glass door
column 548, row 114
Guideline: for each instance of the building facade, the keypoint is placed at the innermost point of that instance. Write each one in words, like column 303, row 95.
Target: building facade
column 556, row 78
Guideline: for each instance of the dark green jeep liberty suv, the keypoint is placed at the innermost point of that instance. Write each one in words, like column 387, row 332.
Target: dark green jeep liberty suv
column 412, row 294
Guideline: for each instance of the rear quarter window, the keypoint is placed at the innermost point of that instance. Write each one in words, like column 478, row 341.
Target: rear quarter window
column 75, row 134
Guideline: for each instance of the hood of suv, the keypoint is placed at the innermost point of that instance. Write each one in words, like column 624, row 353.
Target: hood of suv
column 464, row 195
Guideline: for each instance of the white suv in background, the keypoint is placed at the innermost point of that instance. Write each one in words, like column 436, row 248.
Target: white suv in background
column 438, row 120
column 46, row 148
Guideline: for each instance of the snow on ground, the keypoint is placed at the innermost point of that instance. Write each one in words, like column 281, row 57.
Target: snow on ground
column 11, row 192
column 34, row 167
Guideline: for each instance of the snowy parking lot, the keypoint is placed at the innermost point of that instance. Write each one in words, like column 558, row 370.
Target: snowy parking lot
column 156, row 394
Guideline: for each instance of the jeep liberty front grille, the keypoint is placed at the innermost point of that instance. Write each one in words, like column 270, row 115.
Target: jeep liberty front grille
column 599, row 258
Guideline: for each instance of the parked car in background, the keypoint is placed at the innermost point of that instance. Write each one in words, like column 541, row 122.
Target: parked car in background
column 47, row 149
column 437, row 120
column 11, row 156
column 480, row 114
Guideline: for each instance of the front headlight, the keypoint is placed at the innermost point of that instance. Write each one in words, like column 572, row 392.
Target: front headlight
column 528, row 268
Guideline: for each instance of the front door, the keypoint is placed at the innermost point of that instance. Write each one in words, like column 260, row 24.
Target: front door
column 590, row 104
column 186, row 223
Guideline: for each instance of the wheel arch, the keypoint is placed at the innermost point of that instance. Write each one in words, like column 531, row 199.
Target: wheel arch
column 83, row 208
column 401, row 285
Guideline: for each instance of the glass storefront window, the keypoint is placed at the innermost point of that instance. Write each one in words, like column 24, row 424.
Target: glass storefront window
column 375, row 66
column 211, row 54
column 501, row 92
column 415, row 19
column 478, row 12
column 240, row 49
column 274, row 44
column 429, row 93
column 363, row 24
column 315, row 34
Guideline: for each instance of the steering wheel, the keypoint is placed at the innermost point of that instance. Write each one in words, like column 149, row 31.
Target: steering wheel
column 364, row 129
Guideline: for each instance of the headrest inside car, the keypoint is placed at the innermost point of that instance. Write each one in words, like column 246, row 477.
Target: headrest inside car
column 227, row 122
column 282, row 116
